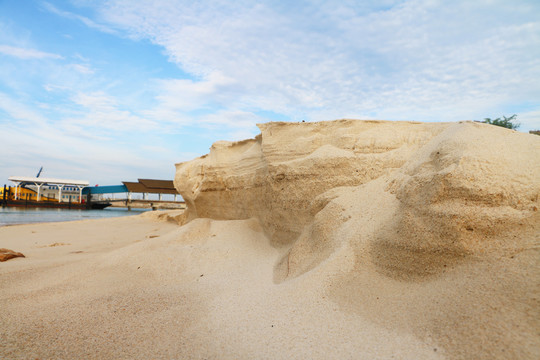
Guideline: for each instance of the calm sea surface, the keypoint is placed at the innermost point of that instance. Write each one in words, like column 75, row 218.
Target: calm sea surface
column 13, row 215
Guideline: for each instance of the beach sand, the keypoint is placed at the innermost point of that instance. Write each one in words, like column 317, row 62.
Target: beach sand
column 137, row 288
column 395, row 266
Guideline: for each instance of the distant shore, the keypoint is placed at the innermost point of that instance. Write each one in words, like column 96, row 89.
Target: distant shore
column 156, row 205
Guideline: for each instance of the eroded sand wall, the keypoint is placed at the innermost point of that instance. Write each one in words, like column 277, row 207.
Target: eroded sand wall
column 279, row 176
column 447, row 176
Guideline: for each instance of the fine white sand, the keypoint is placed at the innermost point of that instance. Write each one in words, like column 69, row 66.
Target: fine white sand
column 435, row 257
column 135, row 288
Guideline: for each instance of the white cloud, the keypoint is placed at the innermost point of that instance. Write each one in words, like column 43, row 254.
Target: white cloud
column 529, row 120
column 405, row 59
column 83, row 69
column 231, row 119
column 85, row 20
column 52, row 87
column 185, row 94
column 27, row 54
column 20, row 112
column 101, row 112
column 97, row 100
column 72, row 149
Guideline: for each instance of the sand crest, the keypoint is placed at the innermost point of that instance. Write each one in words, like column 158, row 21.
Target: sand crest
column 344, row 239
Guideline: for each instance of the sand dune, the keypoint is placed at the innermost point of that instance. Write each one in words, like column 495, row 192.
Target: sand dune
column 344, row 239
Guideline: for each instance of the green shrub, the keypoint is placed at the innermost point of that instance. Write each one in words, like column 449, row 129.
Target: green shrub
column 506, row 122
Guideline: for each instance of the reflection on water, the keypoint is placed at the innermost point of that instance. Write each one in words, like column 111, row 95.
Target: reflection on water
column 16, row 215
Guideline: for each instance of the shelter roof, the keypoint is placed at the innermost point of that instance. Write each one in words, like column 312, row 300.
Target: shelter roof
column 36, row 180
column 135, row 187
column 162, row 184
column 159, row 186
column 151, row 186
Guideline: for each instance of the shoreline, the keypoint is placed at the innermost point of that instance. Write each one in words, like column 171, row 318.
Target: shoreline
column 48, row 215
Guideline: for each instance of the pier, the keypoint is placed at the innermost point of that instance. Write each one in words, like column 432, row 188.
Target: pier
column 145, row 187
column 76, row 194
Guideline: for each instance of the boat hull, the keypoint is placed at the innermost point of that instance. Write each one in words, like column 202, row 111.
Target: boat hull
column 56, row 205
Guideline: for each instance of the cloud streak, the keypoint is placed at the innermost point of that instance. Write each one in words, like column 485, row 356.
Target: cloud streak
column 26, row 54
column 82, row 19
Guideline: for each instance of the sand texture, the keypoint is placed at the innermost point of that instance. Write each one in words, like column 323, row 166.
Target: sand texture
column 332, row 240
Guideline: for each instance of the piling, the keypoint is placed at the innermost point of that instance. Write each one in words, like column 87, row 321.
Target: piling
column 89, row 200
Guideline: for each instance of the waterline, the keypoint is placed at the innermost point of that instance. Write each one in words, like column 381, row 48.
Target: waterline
column 17, row 216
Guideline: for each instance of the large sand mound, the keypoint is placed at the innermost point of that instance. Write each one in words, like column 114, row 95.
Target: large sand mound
column 441, row 218
column 344, row 239
column 453, row 190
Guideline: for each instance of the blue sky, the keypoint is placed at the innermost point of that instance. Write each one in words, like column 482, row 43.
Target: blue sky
column 117, row 90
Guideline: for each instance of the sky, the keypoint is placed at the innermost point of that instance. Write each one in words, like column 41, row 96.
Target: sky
column 116, row 90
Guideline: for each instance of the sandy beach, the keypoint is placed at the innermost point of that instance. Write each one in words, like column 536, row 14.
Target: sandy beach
column 332, row 240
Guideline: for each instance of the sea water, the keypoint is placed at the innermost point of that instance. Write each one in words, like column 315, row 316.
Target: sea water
column 16, row 215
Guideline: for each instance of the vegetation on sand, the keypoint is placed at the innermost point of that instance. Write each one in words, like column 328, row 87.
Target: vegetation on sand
column 507, row 122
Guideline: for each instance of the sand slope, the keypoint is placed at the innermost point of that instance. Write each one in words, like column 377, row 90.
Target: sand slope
column 204, row 290
column 344, row 239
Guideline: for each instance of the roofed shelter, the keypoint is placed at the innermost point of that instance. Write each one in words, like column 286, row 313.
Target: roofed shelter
column 39, row 182
column 160, row 186
column 167, row 186
column 151, row 186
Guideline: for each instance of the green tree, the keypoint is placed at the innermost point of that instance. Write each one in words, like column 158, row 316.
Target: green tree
column 506, row 122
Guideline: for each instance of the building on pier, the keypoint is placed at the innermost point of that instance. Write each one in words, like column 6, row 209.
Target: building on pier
column 48, row 189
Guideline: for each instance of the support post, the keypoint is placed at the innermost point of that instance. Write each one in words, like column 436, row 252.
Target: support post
column 128, row 201
column 38, row 191
column 89, row 200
